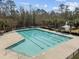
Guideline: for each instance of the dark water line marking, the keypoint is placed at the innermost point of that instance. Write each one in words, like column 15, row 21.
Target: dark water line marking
column 43, row 42
column 33, row 42
column 36, row 44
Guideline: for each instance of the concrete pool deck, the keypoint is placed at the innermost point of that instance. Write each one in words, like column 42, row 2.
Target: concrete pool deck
column 62, row 51
column 9, row 39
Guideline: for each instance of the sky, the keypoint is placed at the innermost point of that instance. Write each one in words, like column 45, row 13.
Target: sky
column 47, row 5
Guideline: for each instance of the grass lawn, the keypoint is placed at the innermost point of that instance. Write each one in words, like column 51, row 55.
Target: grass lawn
column 76, row 57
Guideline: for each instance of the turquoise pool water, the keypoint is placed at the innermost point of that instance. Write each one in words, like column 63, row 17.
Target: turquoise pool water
column 37, row 41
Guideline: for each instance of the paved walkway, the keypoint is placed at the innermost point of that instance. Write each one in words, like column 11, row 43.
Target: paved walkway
column 9, row 39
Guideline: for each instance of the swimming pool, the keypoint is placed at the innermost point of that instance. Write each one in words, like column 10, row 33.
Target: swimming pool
column 37, row 41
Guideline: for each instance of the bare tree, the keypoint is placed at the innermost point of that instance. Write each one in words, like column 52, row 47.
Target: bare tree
column 10, row 5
